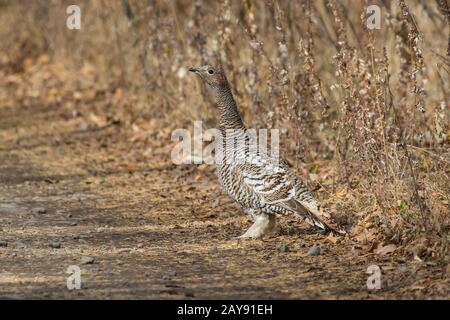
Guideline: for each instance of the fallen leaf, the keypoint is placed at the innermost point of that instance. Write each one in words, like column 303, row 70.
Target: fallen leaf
column 99, row 121
column 44, row 58
column 127, row 165
column 332, row 238
column 136, row 136
column 385, row 249
column 366, row 235
column 28, row 64
column 77, row 95
column 118, row 95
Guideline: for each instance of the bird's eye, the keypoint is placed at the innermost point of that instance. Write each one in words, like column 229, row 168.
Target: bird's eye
column 210, row 71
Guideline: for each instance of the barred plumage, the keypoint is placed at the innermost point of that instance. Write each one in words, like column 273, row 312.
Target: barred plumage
column 262, row 185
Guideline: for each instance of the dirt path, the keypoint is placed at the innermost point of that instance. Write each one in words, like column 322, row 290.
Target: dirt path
column 156, row 230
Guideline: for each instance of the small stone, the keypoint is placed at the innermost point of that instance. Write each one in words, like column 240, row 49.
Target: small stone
column 55, row 245
column 87, row 260
column 281, row 247
column 3, row 243
column 83, row 126
column 402, row 269
column 314, row 251
column 39, row 210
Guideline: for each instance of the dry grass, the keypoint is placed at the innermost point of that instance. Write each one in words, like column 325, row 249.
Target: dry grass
column 364, row 114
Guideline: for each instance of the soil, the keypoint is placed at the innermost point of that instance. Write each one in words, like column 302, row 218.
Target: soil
column 74, row 193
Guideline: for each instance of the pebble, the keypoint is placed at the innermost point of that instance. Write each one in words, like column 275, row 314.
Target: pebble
column 281, row 247
column 83, row 126
column 87, row 260
column 55, row 245
column 314, row 251
column 3, row 243
column 402, row 269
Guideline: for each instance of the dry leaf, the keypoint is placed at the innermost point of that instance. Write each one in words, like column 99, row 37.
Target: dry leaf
column 99, row 121
column 385, row 249
column 43, row 58
column 118, row 95
column 136, row 136
column 77, row 95
column 127, row 165
column 334, row 239
column 366, row 236
column 28, row 64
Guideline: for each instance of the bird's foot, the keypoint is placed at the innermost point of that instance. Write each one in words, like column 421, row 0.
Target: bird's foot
column 264, row 224
column 248, row 235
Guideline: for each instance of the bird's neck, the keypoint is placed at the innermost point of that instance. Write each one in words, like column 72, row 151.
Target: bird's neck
column 229, row 114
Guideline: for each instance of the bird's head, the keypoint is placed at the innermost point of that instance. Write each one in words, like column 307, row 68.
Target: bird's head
column 212, row 76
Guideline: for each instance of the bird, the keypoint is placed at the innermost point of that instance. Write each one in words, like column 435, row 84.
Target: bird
column 264, row 186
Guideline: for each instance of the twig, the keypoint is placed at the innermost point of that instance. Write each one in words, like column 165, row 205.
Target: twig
column 423, row 207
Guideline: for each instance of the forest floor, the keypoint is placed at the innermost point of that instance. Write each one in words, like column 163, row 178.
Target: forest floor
column 76, row 191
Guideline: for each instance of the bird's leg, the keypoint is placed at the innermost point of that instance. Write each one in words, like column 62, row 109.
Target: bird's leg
column 264, row 224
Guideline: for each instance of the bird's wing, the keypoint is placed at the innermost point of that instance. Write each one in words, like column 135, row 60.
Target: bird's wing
column 269, row 181
column 275, row 184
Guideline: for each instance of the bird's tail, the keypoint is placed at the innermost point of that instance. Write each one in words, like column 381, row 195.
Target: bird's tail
column 313, row 215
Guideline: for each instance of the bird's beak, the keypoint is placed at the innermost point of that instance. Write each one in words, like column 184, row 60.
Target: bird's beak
column 194, row 69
